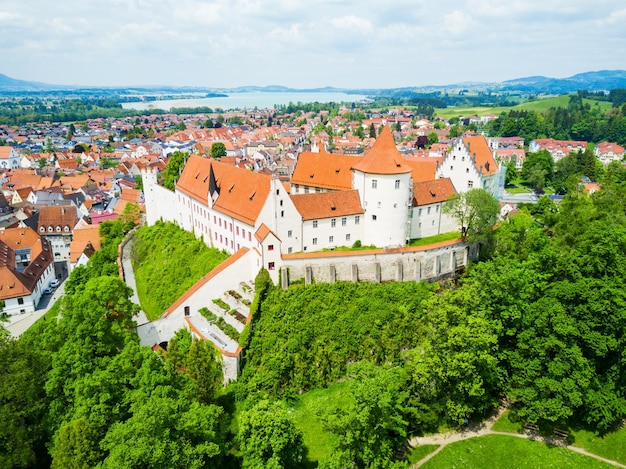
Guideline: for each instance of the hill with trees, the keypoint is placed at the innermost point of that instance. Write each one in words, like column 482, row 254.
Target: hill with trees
column 541, row 323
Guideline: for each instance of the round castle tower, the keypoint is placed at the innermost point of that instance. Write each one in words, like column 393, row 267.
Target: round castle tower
column 384, row 183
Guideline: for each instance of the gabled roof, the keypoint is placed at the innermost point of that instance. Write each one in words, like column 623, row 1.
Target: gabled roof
column 384, row 157
column 483, row 157
column 327, row 204
column 85, row 240
column 432, row 192
column 324, row 170
column 12, row 282
column 242, row 193
column 422, row 169
column 54, row 215
column 263, row 233
column 131, row 195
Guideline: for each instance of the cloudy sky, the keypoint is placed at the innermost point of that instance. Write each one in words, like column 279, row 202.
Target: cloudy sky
column 302, row 44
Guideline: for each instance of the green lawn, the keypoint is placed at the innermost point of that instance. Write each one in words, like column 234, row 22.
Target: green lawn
column 435, row 239
column 506, row 424
column 53, row 312
column 318, row 441
column 611, row 446
column 507, row 452
column 420, row 452
column 517, row 190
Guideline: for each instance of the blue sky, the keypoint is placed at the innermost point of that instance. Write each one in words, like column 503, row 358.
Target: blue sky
column 301, row 44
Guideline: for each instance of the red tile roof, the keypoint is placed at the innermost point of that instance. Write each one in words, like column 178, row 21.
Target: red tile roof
column 12, row 282
column 324, row 170
column 327, row 204
column 384, row 157
column 479, row 149
column 242, row 193
column 431, row 192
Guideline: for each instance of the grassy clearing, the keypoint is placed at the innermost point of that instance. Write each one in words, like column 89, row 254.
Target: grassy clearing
column 420, row 452
column 505, row 452
column 318, row 441
column 464, row 111
column 506, row 423
column 435, row 239
column 611, row 446
column 53, row 312
column 517, row 190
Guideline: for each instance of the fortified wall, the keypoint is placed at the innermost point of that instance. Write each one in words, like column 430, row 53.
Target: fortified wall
column 407, row 264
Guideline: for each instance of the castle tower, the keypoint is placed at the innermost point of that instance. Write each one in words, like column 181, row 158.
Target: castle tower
column 384, row 183
column 160, row 202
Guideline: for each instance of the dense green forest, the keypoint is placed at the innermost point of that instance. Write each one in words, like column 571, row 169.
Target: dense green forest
column 541, row 323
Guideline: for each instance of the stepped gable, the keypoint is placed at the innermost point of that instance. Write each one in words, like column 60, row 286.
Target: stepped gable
column 328, row 204
column 431, row 192
column 324, row 170
column 242, row 193
column 483, row 157
column 384, row 157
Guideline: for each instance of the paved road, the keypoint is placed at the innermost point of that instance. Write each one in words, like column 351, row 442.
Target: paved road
column 18, row 323
column 129, row 278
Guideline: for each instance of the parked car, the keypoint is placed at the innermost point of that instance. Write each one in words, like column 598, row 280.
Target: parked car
column 47, row 291
column 55, row 283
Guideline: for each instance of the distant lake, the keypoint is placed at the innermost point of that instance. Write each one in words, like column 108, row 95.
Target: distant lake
column 261, row 100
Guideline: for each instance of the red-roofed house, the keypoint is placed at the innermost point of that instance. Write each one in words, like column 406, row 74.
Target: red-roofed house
column 26, row 269
column 607, row 152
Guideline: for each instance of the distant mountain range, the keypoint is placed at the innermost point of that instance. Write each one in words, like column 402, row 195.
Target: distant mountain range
column 591, row 81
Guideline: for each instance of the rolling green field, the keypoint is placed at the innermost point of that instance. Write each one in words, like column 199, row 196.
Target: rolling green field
column 505, row 452
column 539, row 105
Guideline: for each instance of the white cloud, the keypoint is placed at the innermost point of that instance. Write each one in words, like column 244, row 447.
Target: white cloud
column 352, row 22
column 302, row 43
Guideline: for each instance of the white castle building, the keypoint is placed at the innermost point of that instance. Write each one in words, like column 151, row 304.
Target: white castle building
column 381, row 199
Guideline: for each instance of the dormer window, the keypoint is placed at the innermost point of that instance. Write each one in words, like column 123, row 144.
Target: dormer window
column 42, row 229
column 66, row 229
column 50, row 229
column 58, row 229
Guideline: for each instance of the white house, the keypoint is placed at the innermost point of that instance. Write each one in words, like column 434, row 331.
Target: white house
column 9, row 158
column 26, row 269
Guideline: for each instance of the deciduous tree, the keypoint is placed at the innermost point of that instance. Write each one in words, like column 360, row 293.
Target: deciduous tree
column 268, row 437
